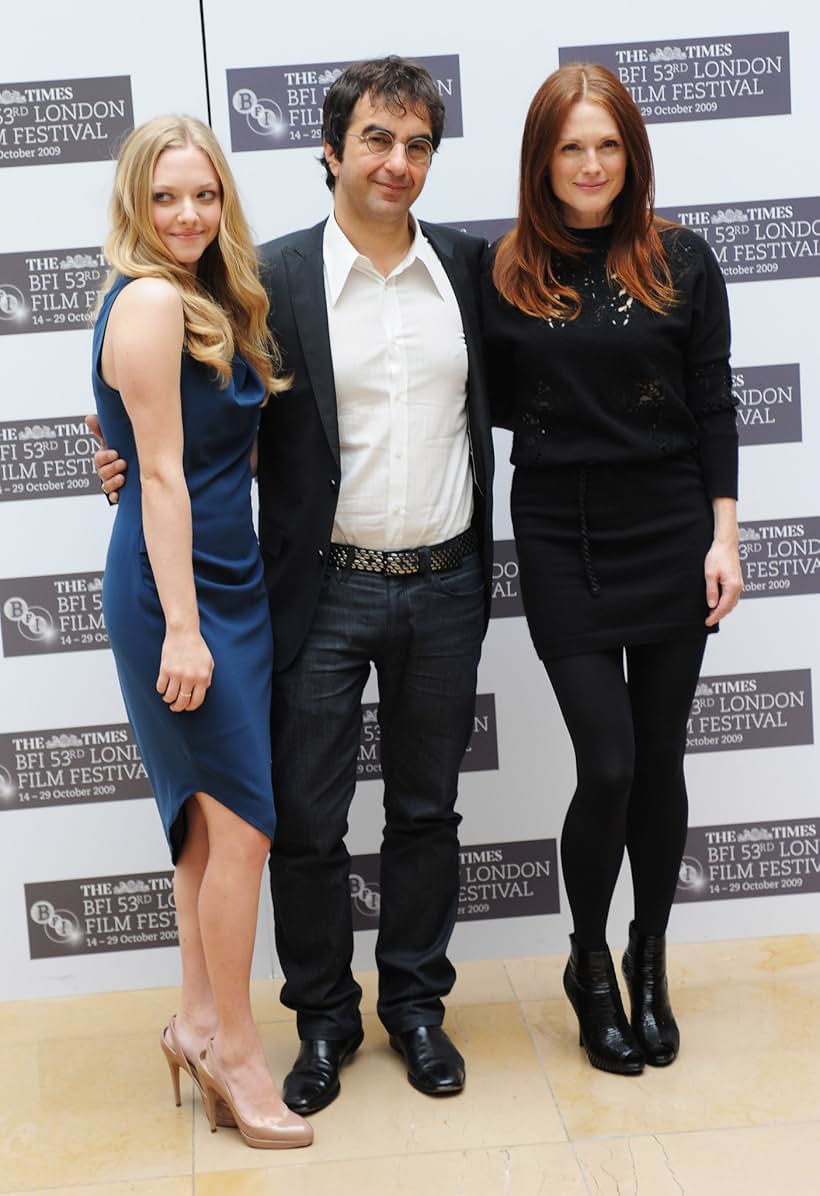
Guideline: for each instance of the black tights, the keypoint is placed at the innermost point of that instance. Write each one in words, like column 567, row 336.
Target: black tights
column 629, row 736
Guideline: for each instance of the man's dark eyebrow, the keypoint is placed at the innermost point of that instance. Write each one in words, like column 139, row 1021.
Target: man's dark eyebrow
column 373, row 128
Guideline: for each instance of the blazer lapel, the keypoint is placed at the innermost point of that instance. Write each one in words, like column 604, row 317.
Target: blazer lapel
column 306, row 284
column 464, row 290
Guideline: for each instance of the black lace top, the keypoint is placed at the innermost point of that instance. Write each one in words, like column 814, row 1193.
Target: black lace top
column 619, row 383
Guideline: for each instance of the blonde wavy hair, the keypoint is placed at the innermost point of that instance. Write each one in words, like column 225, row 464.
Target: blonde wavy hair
column 224, row 304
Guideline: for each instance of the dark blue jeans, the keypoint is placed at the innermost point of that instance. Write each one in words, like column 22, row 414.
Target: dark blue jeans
column 423, row 634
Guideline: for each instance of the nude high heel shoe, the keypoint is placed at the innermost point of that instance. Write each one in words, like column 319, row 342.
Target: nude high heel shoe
column 176, row 1059
column 266, row 1134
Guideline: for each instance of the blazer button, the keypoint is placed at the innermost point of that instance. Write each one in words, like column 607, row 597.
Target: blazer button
column 333, row 483
column 321, row 552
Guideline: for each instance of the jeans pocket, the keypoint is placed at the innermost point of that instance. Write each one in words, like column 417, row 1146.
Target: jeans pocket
column 462, row 582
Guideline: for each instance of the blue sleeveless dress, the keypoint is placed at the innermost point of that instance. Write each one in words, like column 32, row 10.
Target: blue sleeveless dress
column 223, row 748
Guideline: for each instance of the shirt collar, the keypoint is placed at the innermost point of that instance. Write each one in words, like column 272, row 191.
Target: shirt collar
column 340, row 257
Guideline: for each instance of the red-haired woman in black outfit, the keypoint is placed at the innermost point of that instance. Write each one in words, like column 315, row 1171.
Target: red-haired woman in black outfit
column 608, row 335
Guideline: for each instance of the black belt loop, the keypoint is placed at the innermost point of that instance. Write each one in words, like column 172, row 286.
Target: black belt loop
column 425, row 567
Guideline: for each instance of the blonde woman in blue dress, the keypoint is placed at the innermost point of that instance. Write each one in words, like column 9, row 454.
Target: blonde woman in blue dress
column 182, row 363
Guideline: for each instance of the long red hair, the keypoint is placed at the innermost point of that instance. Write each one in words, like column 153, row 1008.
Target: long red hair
column 524, row 264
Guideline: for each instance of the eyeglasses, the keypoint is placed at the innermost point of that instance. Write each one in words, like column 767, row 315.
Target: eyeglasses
column 380, row 142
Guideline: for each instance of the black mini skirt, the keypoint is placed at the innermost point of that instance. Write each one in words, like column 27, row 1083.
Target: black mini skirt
column 612, row 555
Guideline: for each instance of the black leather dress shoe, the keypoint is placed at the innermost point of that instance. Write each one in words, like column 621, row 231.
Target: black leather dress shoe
column 314, row 1081
column 434, row 1066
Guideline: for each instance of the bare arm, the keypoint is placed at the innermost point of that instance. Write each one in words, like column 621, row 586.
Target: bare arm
column 724, row 580
column 141, row 358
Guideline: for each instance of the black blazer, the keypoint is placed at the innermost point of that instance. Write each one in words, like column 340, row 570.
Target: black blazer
column 298, row 468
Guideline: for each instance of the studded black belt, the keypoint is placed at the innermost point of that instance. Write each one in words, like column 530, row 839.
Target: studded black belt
column 393, row 562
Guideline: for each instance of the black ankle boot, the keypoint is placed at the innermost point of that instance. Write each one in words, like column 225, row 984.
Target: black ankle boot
column 592, row 988
column 654, row 1025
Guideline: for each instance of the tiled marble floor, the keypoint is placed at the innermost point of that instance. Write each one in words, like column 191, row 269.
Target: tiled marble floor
column 86, row 1107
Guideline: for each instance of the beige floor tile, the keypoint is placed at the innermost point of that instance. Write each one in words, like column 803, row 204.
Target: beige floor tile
column 507, row 1101
column 176, row 1186
column 749, row 1057
column 793, row 957
column 90, row 1111
column 745, row 1162
column 537, row 979
column 517, row 1171
column 83, row 1017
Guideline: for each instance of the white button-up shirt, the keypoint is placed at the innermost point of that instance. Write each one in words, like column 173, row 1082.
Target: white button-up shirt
column 400, row 369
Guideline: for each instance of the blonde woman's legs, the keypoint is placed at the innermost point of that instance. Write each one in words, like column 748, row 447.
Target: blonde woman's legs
column 197, row 1017
column 227, row 909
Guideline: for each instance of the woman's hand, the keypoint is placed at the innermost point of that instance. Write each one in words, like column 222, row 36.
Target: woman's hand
column 185, row 670
column 724, row 580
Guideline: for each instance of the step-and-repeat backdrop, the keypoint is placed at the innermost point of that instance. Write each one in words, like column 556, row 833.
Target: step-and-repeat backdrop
column 731, row 99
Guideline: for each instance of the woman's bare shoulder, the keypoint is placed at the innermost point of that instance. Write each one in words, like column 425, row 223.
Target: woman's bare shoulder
column 149, row 296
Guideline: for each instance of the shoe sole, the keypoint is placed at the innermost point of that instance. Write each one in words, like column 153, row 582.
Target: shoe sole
column 267, row 1144
column 453, row 1091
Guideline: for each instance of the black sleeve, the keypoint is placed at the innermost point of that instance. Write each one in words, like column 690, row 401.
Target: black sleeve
column 497, row 353
column 709, row 379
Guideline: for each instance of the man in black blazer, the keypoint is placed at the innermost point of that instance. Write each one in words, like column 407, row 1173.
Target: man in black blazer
column 376, row 318
column 375, row 522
